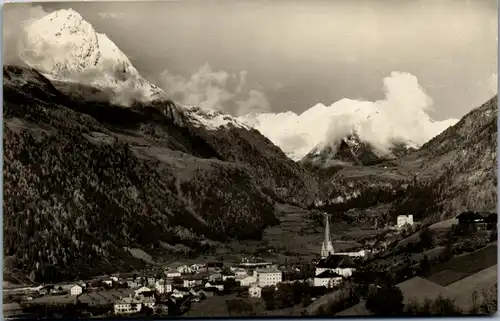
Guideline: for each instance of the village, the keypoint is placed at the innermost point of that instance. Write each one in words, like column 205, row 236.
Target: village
column 177, row 290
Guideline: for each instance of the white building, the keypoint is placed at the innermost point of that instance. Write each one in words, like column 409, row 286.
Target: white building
column 218, row 285
column 172, row 274
column 266, row 277
column 404, row 220
column 131, row 304
column 327, row 279
column 192, row 280
column 142, row 290
column 246, row 280
column 76, row 290
column 255, row 291
column 163, row 286
column 185, row 269
column 179, row 294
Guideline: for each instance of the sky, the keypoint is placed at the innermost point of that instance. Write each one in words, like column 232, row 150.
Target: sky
column 291, row 55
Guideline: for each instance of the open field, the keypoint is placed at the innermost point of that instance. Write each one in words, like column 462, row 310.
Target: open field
column 216, row 306
column 446, row 224
column 464, row 266
column 479, row 282
column 287, row 237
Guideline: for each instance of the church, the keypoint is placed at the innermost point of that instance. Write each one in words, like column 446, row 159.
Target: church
column 340, row 263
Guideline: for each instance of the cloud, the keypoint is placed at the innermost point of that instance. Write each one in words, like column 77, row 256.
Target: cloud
column 402, row 117
column 214, row 90
column 15, row 17
column 110, row 15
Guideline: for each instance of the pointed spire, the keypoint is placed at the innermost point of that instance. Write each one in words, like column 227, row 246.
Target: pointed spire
column 327, row 231
column 327, row 247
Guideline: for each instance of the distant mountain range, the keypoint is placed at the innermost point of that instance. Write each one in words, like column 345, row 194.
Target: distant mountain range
column 96, row 161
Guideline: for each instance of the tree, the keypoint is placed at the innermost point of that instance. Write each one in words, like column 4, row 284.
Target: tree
column 268, row 297
column 425, row 266
column 426, row 239
column 385, row 301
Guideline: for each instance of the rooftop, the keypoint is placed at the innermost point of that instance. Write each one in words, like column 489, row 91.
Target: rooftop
column 268, row 271
column 336, row 261
column 327, row 275
column 135, row 299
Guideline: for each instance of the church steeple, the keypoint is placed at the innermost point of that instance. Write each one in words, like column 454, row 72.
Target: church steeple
column 327, row 247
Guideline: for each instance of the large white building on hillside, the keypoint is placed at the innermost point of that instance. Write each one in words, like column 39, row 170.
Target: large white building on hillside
column 267, row 277
column 404, row 220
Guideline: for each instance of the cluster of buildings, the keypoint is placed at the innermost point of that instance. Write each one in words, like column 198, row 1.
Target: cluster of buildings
column 154, row 289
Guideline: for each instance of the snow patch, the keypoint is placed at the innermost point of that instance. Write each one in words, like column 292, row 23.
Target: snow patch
column 210, row 119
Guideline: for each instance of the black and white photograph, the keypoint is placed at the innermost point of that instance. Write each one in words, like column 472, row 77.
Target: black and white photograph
column 249, row 158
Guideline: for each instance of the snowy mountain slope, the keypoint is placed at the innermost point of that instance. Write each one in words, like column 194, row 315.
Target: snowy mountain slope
column 64, row 47
column 401, row 118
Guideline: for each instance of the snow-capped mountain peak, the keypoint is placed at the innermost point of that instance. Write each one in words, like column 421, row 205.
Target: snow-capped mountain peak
column 65, row 47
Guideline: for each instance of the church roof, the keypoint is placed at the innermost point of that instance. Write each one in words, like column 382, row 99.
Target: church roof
column 328, row 274
column 336, row 261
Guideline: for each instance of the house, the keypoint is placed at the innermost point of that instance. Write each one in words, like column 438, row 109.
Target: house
column 217, row 276
column 328, row 279
column 108, row 283
column 340, row 264
column 184, row 269
column 404, row 220
column 76, row 290
column 114, row 279
column 151, row 281
column 240, row 272
column 172, row 274
column 255, row 263
column 163, row 286
column 215, row 266
column 267, row 277
column 192, row 280
column 218, row 285
column 179, row 293
column 246, row 280
column 131, row 304
column 132, row 284
column 479, row 219
column 228, row 276
column 255, row 291
column 142, row 290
